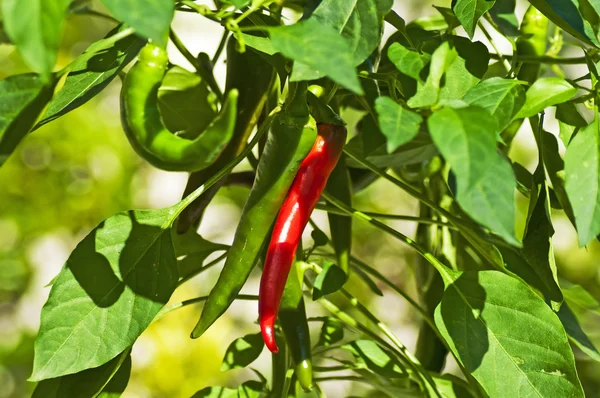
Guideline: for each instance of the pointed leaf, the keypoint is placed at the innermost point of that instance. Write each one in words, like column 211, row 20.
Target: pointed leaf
column 503, row 98
column 332, row 332
column 397, row 123
column 87, row 383
column 150, row 18
column 537, row 242
column 22, row 99
column 466, row 137
column 468, row 12
column 576, row 333
column 546, row 92
column 35, row 26
column 113, row 284
column 407, row 61
column 359, row 22
column 242, row 352
column 428, row 92
column 90, row 74
column 311, row 43
column 582, row 169
column 507, row 337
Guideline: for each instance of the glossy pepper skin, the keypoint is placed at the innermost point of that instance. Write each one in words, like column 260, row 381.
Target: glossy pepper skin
column 145, row 130
column 293, row 133
column 293, row 216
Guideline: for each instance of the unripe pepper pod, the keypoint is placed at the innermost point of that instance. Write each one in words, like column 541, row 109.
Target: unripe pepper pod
column 293, row 216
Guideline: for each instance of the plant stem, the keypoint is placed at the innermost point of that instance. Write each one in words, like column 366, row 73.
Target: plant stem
column 346, row 318
column 459, row 223
column 196, row 300
column 442, row 269
column 544, row 59
column 204, row 74
column 421, row 220
column 222, row 43
column 201, row 270
column 488, row 36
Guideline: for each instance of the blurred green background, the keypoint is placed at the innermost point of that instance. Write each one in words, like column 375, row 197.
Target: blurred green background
column 73, row 173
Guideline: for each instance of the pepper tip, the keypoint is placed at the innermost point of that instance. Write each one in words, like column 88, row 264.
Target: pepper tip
column 267, row 327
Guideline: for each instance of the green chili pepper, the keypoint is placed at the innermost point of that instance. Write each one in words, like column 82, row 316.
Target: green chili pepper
column 292, row 316
column 532, row 42
column 146, row 131
column 252, row 76
column 292, row 135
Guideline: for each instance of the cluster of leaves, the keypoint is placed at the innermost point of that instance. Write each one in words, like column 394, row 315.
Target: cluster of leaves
column 436, row 112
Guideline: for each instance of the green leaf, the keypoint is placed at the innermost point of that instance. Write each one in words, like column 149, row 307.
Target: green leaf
column 35, row 26
column 506, row 336
column 242, row 352
column 579, row 298
column 262, row 44
column 113, row 284
column 555, row 167
column 503, row 98
column 320, row 48
column 332, row 332
column 397, row 123
column 468, row 12
column 569, row 121
column 407, row 61
column 22, row 99
column 582, row 169
column 185, row 101
column 150, row 18
column 359, row 22
column 466, row 137
column 375, row 358
column 467, row 70
column 576, row 333
column 546, row 92
column 88, row 383
column 537, row 241
column 192, row 250
column 250, row 389
column 565, row 14
column 428, row 93
column 90, row 74
column 117, row 385
column 330, row 280
column 503, row 13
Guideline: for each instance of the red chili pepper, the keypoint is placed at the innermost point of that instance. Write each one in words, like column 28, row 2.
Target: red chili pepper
column 293, row 216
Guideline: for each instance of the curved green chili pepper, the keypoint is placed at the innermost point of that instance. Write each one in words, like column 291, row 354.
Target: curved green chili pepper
column 292, row 135
column 252, row 76
column 292, row 316
column 146, row 131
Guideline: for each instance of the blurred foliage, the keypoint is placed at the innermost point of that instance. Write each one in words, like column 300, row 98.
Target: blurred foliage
column 70, row 174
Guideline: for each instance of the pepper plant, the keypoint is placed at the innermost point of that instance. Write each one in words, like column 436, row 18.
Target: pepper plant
column 439, row 104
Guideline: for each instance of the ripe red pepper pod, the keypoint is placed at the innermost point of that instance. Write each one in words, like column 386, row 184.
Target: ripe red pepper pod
column 293, row 216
